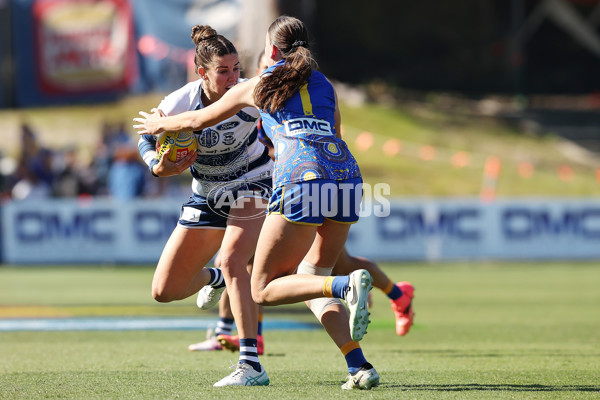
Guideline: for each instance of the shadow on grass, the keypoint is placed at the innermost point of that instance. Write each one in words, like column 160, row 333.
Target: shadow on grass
column 500, row 388
column 468, row 354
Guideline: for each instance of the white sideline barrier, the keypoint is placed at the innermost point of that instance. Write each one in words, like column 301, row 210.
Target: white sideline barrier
column 105, row 231
column 90, row 231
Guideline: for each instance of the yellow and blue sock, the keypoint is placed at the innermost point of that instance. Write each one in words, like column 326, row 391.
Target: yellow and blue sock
column 336, row 286
column 249, row 353
column 354, row 356
column 392, row 291
column 260, row 325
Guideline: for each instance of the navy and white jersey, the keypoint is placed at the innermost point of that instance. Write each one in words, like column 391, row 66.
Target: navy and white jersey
column 228, row 151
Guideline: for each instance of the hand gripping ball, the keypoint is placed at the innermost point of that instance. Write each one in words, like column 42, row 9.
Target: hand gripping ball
column 181, row 144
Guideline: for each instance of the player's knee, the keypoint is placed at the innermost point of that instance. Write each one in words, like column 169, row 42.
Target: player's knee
column 362, row 263
column 259, row 297
column 162, row 295
column 233, row 265
column 322, row 305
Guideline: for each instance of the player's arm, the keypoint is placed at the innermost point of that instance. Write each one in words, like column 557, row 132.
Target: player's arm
column 162, row 166
column 236, row 98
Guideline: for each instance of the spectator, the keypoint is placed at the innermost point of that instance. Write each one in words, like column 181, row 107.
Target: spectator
column 33, row 177
column 127, row 175
column 72, row 178
column 29, row 186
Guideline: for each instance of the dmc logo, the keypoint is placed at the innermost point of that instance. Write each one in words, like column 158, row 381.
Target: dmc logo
column 154, row 225
column 227, row 125
column 34, row 226
column 225, row 199
column 520, row 223
column 403, row 224
column 308, row 125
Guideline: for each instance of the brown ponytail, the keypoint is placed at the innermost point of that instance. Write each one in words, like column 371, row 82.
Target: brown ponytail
column 209, row 44
column 290, row 36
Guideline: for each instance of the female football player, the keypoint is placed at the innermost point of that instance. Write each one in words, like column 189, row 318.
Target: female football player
column 316, row 193
column 400, row 294
column 231, row 173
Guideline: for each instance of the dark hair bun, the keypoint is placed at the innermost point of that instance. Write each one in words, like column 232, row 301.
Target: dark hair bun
column 202, row 32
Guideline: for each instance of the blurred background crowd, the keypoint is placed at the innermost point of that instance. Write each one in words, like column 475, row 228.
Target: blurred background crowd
column 113, row 168
column 531, row 63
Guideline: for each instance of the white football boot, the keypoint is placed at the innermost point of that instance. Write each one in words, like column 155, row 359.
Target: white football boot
column 210, row 344
column 245, row 375
column 208, row 297
column 357, row 297
column 365, row 378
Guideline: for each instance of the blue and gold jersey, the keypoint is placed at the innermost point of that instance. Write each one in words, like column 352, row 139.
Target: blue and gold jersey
column 303, row 135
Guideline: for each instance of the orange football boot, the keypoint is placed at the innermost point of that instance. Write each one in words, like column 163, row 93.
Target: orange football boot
column 402, row 308
column 232, row 343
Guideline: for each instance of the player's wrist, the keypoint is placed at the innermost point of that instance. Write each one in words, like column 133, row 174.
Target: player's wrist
column 153, row 163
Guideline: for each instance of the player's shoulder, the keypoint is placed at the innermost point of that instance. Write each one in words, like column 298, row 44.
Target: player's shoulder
column 182, row 99
column 187, row 89
column 318, row 77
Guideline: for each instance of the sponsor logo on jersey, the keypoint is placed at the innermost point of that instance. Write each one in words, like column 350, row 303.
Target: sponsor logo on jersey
column 228, row 125
column 307, row 126
column 208, row 138
column 228, row 138
column 245, row 116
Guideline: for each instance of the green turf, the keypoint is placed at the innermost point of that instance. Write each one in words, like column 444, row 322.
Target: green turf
column 483, row 331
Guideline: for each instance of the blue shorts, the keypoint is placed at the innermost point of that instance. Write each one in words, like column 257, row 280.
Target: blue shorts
column 314, row 201
column 201, row 212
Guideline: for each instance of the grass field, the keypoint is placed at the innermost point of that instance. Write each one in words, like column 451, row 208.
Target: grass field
column 482, row 331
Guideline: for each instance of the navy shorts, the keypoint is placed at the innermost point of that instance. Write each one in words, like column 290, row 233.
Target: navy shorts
column 314, row 201
column 202, row 212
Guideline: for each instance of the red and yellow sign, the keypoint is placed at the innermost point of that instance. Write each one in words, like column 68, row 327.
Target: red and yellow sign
column 84, row 45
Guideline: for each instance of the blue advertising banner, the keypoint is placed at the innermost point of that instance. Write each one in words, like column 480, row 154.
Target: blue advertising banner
column 508, row 229
column 105, row 231
column 92, row 231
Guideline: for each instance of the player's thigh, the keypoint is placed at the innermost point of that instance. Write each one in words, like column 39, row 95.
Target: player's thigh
column 243, row 228
column 343, row 265
column 328, row 244
column 281, row 247
column 187, row 251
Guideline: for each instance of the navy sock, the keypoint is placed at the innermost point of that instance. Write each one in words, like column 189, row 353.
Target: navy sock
column 216, row 278
column 249, row 354
column 224, row 326
column 395, row 293
column 355, row 359
column 339, row 285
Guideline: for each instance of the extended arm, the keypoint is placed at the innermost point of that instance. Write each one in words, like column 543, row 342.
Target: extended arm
column 238, row 97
